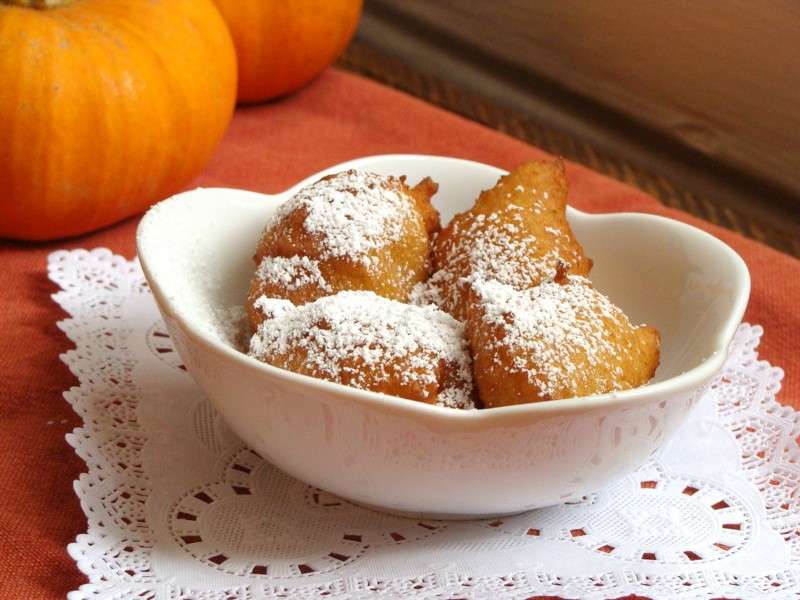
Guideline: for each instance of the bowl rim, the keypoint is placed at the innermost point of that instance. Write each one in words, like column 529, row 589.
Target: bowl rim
column 686, row 381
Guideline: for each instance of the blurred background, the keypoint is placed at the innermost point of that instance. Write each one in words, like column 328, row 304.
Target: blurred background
column 704, row 94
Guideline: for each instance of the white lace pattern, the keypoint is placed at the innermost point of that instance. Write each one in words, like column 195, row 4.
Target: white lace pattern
column 178, row 508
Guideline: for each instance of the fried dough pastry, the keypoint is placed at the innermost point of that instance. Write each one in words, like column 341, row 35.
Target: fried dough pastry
column 348, row 231
column 516, row 233
column 369, row 342
column 554, row 341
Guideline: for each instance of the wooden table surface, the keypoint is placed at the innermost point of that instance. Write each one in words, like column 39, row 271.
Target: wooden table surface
column 375, row 64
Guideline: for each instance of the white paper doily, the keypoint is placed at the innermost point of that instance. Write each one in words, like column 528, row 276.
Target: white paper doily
column 178, row 508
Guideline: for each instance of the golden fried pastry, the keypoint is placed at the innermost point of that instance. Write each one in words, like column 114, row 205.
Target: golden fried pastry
column 554, row 341
column 369, row 342
column 348, row 231
column 517, row 233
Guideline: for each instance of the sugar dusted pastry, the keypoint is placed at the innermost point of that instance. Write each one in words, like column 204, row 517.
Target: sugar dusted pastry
column 516, row 233
column 369, row 342
column 348, row 231
column 554, row 341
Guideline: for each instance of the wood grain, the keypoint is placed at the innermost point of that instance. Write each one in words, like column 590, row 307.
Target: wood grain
column 377, row 65
column 704, row 96
column 720, row 77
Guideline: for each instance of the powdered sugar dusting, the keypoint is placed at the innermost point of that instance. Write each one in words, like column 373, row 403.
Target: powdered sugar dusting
column 364, row 340
column 352, row 213
column 291, row 273
column 428, row 292
column 496, row 252
column 230, row 324
column 492, row 248
column 547, row 327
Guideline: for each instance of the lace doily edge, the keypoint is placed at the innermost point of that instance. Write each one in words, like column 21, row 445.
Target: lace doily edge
column 612, row 582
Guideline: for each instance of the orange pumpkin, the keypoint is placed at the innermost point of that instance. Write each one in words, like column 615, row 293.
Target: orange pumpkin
column 282, row 45
column 107, row 106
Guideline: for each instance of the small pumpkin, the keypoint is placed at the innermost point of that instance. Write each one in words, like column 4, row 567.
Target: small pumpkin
column 107, row 106
column 282, row 45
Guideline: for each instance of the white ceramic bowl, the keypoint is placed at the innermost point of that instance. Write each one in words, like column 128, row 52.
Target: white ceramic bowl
column 381, row 451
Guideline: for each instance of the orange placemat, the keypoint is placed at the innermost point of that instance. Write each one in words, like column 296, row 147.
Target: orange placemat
column 339, row 117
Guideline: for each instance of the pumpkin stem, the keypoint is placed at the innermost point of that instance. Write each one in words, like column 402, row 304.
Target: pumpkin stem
column 40, row 4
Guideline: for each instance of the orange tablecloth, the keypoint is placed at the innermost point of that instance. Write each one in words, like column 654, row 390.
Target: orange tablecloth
column 266, row 149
